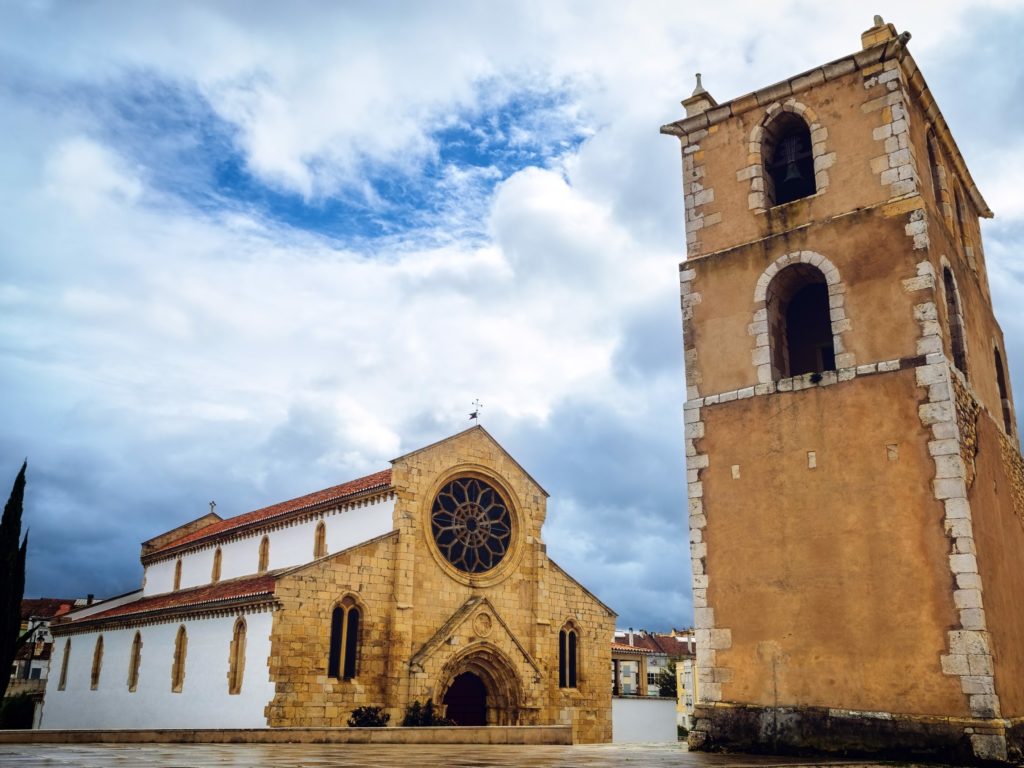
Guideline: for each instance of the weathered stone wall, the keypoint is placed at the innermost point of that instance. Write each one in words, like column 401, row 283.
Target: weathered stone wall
column 304, row 694
column 531, row 598
column 808, row 583
column 999, row 537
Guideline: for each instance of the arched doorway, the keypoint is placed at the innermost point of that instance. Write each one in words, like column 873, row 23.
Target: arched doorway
column 466, row 700
column 481, row 673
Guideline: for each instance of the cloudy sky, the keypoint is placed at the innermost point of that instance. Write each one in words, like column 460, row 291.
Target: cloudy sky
column 250, row 250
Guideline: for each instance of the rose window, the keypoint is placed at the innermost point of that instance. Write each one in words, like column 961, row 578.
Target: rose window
column 471, row 524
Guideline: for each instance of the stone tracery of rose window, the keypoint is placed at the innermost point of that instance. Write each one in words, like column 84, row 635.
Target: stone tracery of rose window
column 471, row 524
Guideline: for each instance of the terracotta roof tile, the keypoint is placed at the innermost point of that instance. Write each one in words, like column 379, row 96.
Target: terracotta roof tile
column 45, row 607
column 209, row 594
column 628, row 648
column 380, row 479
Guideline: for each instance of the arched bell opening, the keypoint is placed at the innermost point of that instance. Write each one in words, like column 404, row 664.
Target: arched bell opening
column 800, row 322
column 788, row 159
column 484, row 677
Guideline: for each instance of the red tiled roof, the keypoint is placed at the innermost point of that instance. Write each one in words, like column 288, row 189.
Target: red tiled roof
column 654, row 643
column 236, row 589
column 628, row 648
column 380, row 479
column 672, row 645
column 45, row 607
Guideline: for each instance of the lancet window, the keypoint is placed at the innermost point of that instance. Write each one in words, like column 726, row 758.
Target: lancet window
column 344, row 647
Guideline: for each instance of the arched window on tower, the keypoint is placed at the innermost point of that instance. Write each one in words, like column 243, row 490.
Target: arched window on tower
column 264, row 555
column 568, row 650
column 63, row 682
column 177, row 574
column 956, row 321
column 344, row 648
column 320, row 540
column 788, row 159
column 933, row 165
column 1004, row 395
column 178, row 667
column 215, row 570
column 97, row 664
column 960, row 215
column 799, row 322
column 236, row 657
column 134, row 661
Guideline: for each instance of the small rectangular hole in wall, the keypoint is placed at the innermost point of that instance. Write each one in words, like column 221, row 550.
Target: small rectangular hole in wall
column 812, row 460
column 735, row 471
column 892, row 452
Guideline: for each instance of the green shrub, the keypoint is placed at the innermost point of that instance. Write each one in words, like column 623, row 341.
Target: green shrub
column 418, row 715
column 368, row 717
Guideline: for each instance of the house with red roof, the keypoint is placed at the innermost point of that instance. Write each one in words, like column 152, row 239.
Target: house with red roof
column 425, row 581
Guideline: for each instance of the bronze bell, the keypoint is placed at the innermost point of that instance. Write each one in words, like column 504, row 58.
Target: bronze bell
column 788, row 149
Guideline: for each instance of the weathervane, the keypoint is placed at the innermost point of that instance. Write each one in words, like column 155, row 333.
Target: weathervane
column 477, row 407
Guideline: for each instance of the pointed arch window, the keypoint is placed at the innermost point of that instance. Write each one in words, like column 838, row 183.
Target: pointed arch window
column 63, row 682
column 344, row 648
column 215, row 570
column 134, row 661
column 264, row 555
column 936, row 173
column 788, row 159
column 1004, row 395
column 954, row 318
column 236, row 658
column 177, row 574
column 960, row 215
column 799, row 322
column 320, row 540
column 97, row 664
column 178, row 667
column 568, row 648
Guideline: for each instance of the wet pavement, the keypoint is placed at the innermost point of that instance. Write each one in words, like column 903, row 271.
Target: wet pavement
column 381, row 756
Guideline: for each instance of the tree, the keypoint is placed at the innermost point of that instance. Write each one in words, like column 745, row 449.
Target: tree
column 666, row 681
column 12, row 578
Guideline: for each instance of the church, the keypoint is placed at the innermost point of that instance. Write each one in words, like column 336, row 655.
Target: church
column 427, row 581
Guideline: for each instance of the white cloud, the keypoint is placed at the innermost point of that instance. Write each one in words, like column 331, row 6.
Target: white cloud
column 87, row 177
column 181, row 355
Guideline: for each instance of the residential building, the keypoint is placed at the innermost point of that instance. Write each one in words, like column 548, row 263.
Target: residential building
column 32, row 660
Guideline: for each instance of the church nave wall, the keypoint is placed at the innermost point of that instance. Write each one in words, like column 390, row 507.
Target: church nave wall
column 289, row 546
column 204, row 700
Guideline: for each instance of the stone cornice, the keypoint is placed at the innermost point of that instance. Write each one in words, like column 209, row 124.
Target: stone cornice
column 893, row 48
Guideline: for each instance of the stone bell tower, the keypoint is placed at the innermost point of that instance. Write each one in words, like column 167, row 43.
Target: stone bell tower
column 856, row 491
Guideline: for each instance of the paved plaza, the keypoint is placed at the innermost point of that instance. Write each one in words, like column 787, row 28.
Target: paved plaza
column 380, row 756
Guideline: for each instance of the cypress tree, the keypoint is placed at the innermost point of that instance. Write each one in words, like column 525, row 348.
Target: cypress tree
column 12, row 578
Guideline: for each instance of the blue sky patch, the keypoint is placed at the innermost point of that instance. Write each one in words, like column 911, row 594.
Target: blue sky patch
column 187, row 151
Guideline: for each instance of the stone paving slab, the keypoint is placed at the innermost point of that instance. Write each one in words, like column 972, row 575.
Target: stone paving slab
column 385, row 756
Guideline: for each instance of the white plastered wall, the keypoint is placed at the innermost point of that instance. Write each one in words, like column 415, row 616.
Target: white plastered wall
column 204, row 701
column 289, row 547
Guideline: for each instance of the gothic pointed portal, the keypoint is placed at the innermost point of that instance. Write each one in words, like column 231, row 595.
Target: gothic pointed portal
column 481, row 687
column 466, row 700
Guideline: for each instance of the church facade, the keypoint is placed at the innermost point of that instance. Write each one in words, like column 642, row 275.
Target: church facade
column 428, row 581
column 856, row 489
